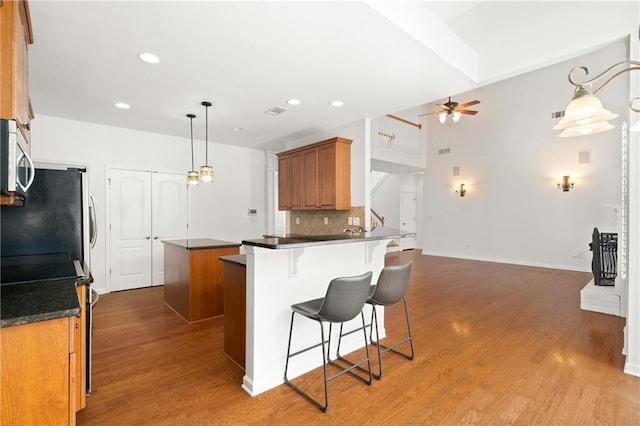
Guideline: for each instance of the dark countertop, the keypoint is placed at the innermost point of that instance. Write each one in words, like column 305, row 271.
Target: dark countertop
column 239, row 259
column 298, row 241
column 34, row 301
column 200, row 243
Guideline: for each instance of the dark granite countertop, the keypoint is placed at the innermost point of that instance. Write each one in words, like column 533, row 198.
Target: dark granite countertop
column 240, row 259
column 297, row 240
column 34, row 301
column 200, row 243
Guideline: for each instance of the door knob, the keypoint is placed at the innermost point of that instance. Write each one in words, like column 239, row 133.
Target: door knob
column 148, row 237
column 155, row 238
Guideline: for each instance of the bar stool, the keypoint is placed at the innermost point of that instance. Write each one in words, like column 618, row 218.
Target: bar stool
column 390, row 289
column 344, row 300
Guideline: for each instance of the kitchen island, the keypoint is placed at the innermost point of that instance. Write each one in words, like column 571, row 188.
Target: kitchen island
column 193, row 277
column 281, row 271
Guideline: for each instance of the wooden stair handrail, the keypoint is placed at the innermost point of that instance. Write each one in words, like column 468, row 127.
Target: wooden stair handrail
column 380, row 218
column 418, row 125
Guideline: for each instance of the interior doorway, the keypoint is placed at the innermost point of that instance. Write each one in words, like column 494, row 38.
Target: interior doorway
column 145, row 208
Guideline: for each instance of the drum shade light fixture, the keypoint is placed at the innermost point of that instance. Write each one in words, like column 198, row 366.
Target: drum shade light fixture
column 585, row 114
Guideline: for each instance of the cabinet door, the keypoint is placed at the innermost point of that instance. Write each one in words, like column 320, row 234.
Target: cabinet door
column 327, row 180
column 284, row 183
column 15, row 38
column 23, row 107
column 296, row 180
column 310, row 178
column 36, row 363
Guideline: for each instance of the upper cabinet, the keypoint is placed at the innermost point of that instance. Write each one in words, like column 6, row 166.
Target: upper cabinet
column 316, row 176
column 15, row 37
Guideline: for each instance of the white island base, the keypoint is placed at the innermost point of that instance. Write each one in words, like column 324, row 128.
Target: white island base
column 278, row 278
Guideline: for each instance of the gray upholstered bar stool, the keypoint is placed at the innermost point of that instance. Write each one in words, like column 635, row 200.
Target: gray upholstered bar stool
column 390, row 289
column 344, row 300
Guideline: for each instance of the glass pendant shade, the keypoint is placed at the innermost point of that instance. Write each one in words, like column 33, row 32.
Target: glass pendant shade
column 456, row 116
column 206, row 174
column 192, row 178
column 442, row 117
column 584, row 115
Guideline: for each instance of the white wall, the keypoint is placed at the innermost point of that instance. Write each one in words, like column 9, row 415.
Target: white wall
column 509, row 159
column 218, row 210
column 386, row 200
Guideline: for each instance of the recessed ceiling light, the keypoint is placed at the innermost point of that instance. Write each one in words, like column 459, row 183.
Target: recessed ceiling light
column 122, row 105
column 149, row 58
column 237, row 129
column 293, row 101
column 337, row 103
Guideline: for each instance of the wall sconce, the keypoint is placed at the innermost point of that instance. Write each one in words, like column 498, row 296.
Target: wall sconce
column 585, row 114
column 460, row 190
column 565, row 184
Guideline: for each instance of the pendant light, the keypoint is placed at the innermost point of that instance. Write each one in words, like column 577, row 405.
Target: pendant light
column 206, row 171
column 192, row 175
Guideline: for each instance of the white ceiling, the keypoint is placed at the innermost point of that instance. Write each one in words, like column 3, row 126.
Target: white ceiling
column 246, row 57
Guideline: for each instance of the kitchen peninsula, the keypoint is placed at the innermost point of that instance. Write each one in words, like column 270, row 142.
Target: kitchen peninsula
column 285, row 270
column 193, row 284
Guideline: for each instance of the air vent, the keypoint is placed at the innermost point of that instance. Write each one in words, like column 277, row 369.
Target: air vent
column 444, row 151
column 557, row 114
column 275, row 110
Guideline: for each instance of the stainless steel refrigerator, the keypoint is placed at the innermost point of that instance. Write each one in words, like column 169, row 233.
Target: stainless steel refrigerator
column 51, row 234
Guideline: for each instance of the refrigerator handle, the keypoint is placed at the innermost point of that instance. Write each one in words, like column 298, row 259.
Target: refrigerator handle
column 93, row 221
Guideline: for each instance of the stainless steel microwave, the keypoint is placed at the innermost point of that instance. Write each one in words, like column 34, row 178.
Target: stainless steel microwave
column 16, row 167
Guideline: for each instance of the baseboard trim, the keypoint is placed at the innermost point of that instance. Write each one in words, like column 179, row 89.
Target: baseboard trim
column 507, row 261
column 632, row 368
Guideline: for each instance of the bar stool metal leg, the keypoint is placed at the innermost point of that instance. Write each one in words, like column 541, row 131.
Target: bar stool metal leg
column 344, row 300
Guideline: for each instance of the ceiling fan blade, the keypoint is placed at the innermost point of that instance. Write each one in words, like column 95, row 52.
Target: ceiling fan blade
column 443, row 107
column 467, row 111
column 469, row 104
column 429, row 113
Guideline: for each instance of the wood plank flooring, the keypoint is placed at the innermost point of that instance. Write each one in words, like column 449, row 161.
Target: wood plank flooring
column 495, row 344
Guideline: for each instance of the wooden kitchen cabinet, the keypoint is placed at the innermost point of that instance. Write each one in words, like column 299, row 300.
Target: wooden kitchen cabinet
column 38, row 376
column 316, row 176
column 80, row 350
column 15, row 37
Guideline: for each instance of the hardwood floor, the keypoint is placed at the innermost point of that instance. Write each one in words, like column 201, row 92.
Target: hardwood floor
column 495, row 344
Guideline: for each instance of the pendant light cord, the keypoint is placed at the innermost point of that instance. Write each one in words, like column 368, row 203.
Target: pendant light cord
column 206, row 105
column 191, row 116
column 206, row 136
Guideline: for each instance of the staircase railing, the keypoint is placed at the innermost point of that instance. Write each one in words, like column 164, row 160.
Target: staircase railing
column 374, row 223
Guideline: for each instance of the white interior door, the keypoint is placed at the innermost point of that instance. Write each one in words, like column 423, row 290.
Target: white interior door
column 168, row 217
column 408, row 212
column 130, row 214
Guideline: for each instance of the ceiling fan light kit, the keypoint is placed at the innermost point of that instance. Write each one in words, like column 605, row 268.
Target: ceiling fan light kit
column 453, row 110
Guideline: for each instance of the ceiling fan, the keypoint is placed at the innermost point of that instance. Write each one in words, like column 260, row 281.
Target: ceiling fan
column 454, row 110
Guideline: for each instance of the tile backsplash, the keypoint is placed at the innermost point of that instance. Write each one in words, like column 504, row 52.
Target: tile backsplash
column 313, row 222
